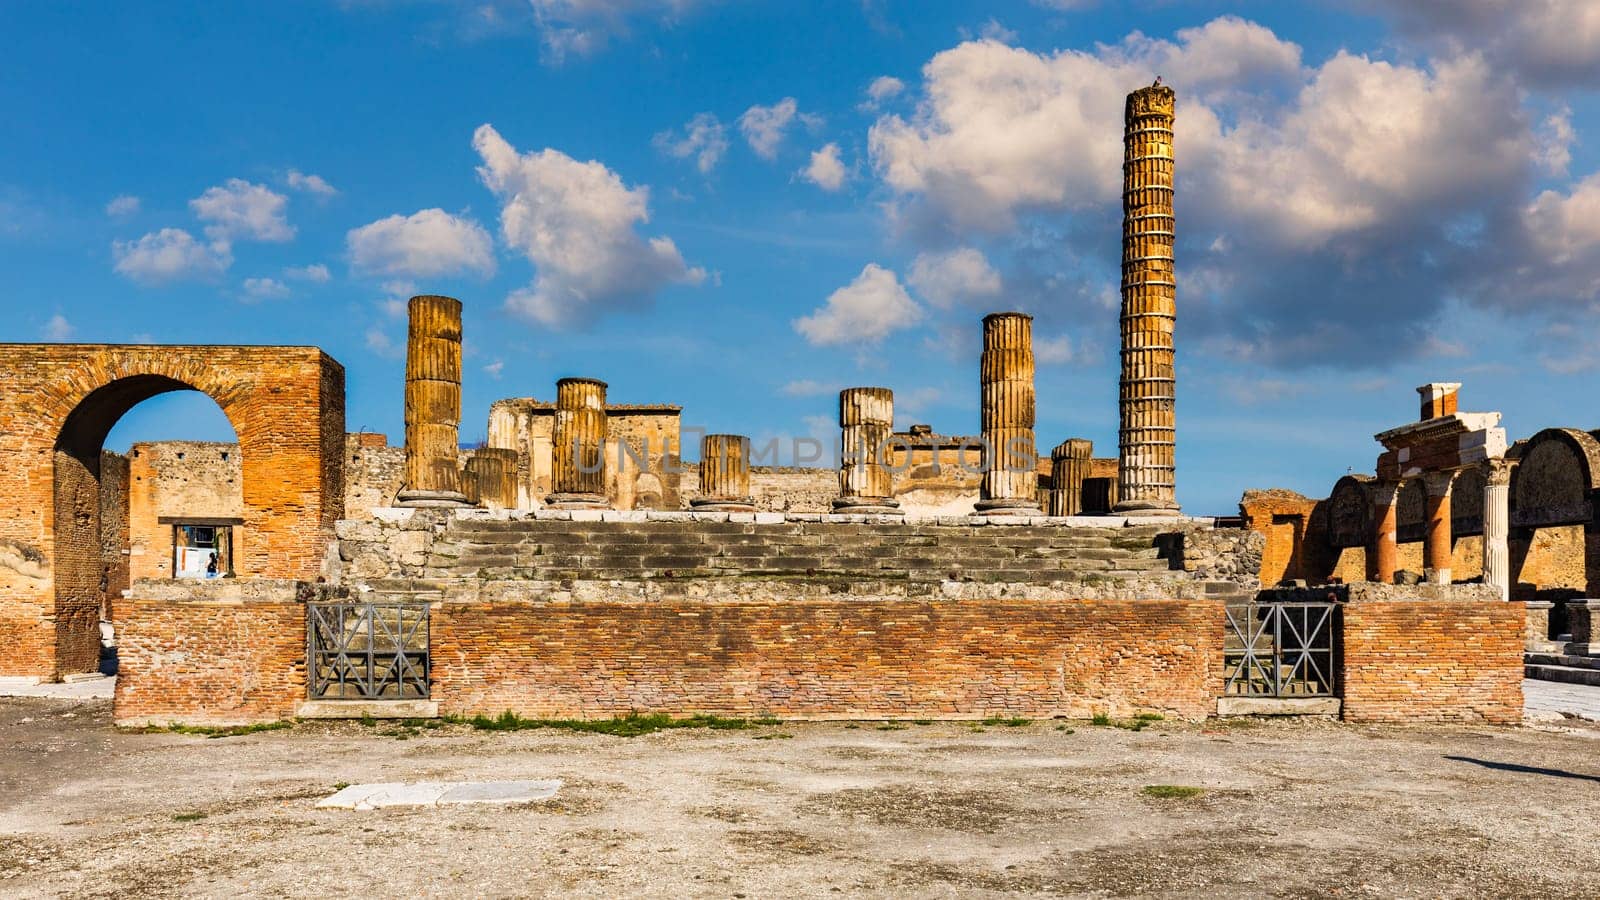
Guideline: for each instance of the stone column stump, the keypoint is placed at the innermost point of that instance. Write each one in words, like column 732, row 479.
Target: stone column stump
column 1010, row 485
column 492, row 471
column 1069, row 465
column 433, row 404
column 866, row 423
column 724, row 475
column 578, row 476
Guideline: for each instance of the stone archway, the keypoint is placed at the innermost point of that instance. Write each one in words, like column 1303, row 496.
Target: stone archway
column 1555, row 544
column 58, row 402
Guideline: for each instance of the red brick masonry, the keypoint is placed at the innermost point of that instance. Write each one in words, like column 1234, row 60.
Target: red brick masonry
column 830, row 658
column 214, row 663
column 1433, row 661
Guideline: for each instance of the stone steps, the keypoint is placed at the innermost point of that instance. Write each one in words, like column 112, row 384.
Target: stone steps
column 1563, row 674
column 1562, row 659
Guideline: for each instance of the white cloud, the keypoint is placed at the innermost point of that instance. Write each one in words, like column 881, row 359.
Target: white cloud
column 1550, row 43
column 808, row 387
column 865, row 311
column 316, row 273
column 1555, row 138
column 170, row 254
column 265, row 289
column 704, row 138
column 495, row 369
column 825, row 170
column 1064, row 5
column 764, row 127
column 122, row 205
column 994, row 31
column 311, row 184
column 945, row 279
column 1054, row 351
column 239, row 210
column 424, row 244
column 882, row 89
column 58, row 329
column 575, row 222
column 583, row 27
column 379, row 342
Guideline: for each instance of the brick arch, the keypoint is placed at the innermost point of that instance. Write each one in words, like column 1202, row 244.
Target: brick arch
column 58, row 402
column 1557, row 474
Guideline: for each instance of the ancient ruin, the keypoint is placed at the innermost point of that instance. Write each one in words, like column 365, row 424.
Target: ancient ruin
column 578, row 566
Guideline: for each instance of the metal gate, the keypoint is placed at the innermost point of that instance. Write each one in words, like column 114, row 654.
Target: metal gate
column 367, row 651
column 1282, row 649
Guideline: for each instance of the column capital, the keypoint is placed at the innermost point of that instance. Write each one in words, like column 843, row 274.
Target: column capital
column 1438, row 483
column 1497, row 471
column 1384, row 493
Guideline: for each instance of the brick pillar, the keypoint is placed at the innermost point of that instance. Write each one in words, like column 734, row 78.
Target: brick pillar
column 1497, row 525
column 1436, row 539
column 1010, row 483
column 1069, row 463
column 866, row 422
column 1146, row 440
column 578, row 477
column 1383, row 557
column 724, row 474
column 493, row 472
column 433, row 404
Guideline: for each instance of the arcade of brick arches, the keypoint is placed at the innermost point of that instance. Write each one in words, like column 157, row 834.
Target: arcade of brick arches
column 578, row 566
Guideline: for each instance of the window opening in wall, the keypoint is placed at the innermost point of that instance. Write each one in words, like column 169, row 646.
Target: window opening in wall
column 202, row 551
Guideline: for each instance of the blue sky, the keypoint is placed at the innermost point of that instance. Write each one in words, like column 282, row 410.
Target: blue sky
column 743, row 206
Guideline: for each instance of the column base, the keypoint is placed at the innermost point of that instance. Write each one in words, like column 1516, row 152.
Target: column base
column 1133, row 508
column 1006, row 507
column 867, row 506
column 418, row 499
column 577, row 501
column 722, row 504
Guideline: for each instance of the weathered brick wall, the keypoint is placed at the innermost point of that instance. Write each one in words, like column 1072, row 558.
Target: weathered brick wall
column 113, row 530
column 1433, row 661
column 830, row 658
column 206, row 661
column 57, row 403
column 173, row 479
column 1549, row 559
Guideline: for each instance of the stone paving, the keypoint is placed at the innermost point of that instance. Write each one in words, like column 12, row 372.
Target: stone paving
column 1580, row 700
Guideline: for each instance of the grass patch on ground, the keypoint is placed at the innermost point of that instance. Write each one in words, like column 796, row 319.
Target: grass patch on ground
column 189, row 817
column 1009, row 722
column 1139, row 722
column 210, row 731
column 1171, row 791
column 632, row 725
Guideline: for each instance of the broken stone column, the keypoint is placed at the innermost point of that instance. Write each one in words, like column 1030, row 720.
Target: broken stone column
column 492, row 471
column 1010, row 474
column 1497, row 525
column 1436, row 539
column 1069, row 466
column 578, row 476
column 1383, row 558
column 433, row 404
column 1146, row 440
column 724, row 474
column 866, row 422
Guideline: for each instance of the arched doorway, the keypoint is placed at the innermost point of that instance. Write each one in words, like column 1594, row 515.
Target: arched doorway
column 1555, row 553
column 286, row 405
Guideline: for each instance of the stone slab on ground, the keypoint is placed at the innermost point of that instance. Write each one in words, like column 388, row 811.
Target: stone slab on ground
column 96, row 688
column 440, row 793
column 1579, row 701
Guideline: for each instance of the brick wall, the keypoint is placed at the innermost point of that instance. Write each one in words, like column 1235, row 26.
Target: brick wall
column 1433, row 661
column 222, row 662
column 176, row 479
column 829, row 658
column 113, row 529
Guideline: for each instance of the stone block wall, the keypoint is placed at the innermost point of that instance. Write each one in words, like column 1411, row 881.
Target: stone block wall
column 826, row 657
column 210, row 658
column 1408, row 661
column 173, row 479
column 374, row 472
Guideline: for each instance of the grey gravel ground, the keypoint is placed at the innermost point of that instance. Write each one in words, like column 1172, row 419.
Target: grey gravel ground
column 1290, row 809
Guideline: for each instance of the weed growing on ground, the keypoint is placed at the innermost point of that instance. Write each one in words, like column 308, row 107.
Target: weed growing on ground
column 209, row 731
column 922, row 721
column 340, row 785
column 631, row 725
column 189, row 817
column 890, row 726
column 1139, row 722
column 1012, row 722
column 1171, row 791
column 780, row 736
column 1065, row 730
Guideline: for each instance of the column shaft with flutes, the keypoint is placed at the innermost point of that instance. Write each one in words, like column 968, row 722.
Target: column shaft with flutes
column 1010, row 483
column 578, row 477
column 1069, row 466
column 492, row 471
column 724, row 474
column 866, row 423
column 1146, row 440
column 1497, row 525
column 433, row 404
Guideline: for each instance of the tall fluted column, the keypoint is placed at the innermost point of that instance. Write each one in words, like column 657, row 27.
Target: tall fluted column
column 1497, row 525
column 493, row 472
column 1069, row 465
column 1436, row 539
column 866, row 422
column 577, row 465
column 1146, row 440
column 1383, row 557
column 1010, row 474
column 724, row 474
column 433, row 404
